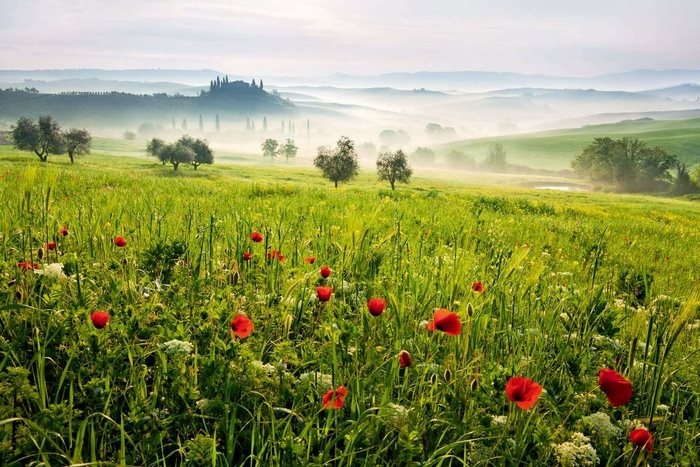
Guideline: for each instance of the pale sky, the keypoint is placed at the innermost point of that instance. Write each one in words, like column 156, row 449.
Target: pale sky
column 319, row 37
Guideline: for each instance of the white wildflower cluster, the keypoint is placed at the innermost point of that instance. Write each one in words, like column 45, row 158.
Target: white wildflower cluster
column 499, row 420
column 321, row 380
column 662, row 409
column 202, row 404
column 617, row 304
column 177, row 348
column 600, row 425
column 266, row 368
column 576, row 453
column 428, row 367
column 630, row 425
column 396, row 415
column 52, row 271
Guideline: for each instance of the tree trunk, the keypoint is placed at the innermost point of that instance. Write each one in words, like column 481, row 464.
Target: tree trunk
column 336, row 183
column 392, row 184
column 195, row 166
column 175, row 164
column 70, row 154
column 42, row 156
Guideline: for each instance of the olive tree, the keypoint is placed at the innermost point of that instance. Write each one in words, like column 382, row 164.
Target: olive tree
column 338, row 164
column 176, row 154
column 77, row 142
column 43, row 138
column 154, row 149
column 269, row 148
column 202, row 152
column 393, row 167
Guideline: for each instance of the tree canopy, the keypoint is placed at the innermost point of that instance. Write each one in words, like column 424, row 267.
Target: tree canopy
column 43, row 138
column 202, row 152
column 77, row 142
column 393, row 167
column 627, row 164
column 289, row 149
column 338, row 164
column 269, row 148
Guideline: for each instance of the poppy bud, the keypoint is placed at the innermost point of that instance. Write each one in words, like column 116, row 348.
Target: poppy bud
column 473, row 385
column 470, row 310
column 325, row 271
column 40, row 253
column 63, row 231
column 433, row 379
column 99, row 319
column 448, row 375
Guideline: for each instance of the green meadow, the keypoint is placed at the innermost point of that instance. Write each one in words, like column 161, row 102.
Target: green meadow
column 556, row 149
column 572, row 283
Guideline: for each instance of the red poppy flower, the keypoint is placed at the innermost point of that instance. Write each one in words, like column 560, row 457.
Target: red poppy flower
column 642, row 438
column 616, row 388
column 334, row 398
column 376, row 306
column 405, row 359
column 50, row 246
column 445, row 321
column 477, row 287
column 310, row 259
column 120, row 242
column 247, row 255
column 275, row 254
column 325, row 271
column 256, row 237
column 27, row 266
column 523, row 391
column 63, row 231
column 99, row 319
column 324, row 293
column 242, row 326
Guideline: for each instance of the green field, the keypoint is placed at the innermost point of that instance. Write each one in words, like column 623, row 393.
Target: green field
column 556, row 149
column 574, row 282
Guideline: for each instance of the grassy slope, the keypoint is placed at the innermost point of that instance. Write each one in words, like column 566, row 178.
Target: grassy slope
column 556, row 149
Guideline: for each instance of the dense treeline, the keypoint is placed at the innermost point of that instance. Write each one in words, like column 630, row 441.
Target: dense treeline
column 631, row 165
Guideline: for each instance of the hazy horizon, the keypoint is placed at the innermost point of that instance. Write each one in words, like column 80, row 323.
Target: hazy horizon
column 320, row 38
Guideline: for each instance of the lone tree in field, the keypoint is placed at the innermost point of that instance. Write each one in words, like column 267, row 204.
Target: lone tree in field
column 202, row 152
column 289, row 149
column 393, row 167
column 154, row 147
column 269, row 148
column 44, row 138
column 176, row 154
column 339, row 164
column 77, row 142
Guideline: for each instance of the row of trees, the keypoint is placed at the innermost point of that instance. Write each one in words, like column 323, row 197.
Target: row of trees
column 186, row 150
column 45, row 137
column 631, row 165
column 340, row 164
column 272, row 148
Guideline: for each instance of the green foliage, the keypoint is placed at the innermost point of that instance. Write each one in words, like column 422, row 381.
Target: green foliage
column 77, row 142
column 202, row 152
column 338, row 164
column 43, row 138
column 423, row 156
column 393, row 167
column 289, row 149
column 269, row 148
column 627, row 164
column 165, row 383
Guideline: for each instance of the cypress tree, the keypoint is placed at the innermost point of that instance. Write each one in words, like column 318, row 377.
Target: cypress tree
column 265, row 123
column 201, row 123
column 217, row 122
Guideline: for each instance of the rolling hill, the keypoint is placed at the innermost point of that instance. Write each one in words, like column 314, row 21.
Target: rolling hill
column 556, row 149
